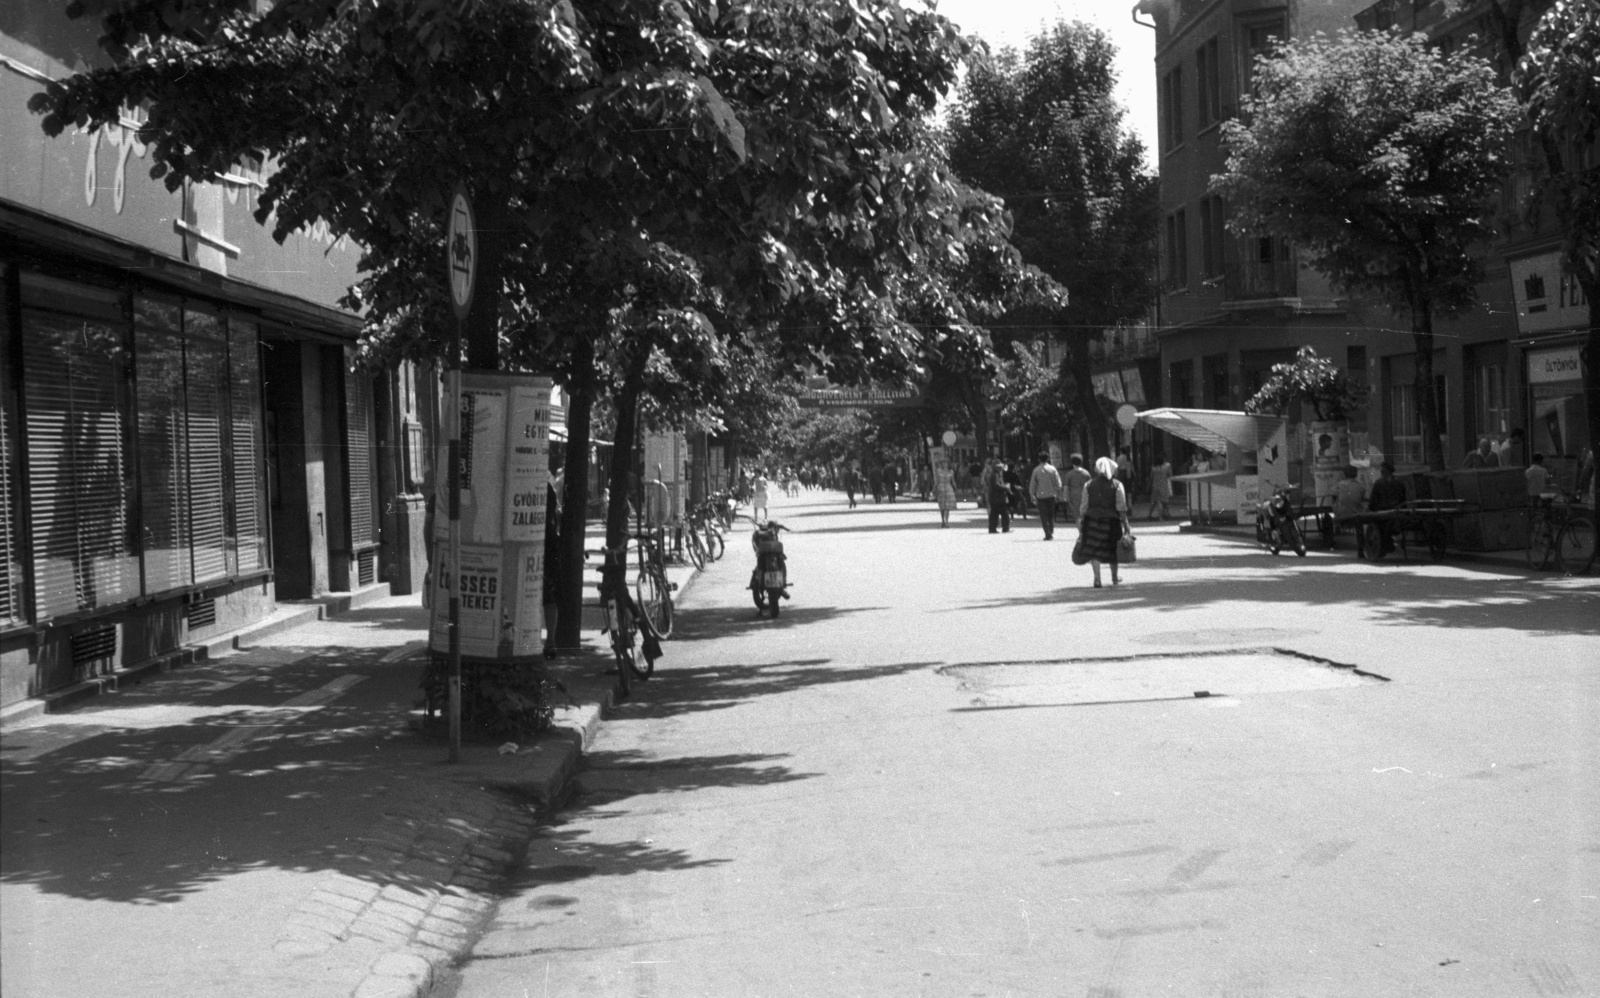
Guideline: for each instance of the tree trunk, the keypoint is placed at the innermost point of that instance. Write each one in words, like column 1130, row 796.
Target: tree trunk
column 575, row 499
column 1427, row 410
column 1092, row 420
column 483, row 321
column 622, row 449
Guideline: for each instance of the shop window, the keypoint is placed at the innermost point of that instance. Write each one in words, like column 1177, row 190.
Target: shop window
column 247, row 445
column 1490, row 401
column 11, row 608
column 163, row 446
column 1405, row 426
column 79, row 475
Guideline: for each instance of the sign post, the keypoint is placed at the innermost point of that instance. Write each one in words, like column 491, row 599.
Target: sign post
column 461, row 251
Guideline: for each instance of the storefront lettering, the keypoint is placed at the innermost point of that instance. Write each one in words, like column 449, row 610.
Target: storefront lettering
column 123, row 137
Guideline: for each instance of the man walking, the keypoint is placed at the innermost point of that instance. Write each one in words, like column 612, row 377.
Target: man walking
column 1160, row 487
column 997, row 497
column 1073, row 481
column 1045, row 487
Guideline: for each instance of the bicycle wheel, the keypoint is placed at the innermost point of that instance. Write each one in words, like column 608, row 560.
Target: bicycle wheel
column 696, row 546
column 624, row 648
column 715, row 546
column 1575, row 546
column 655, row 601
column 1539, row 544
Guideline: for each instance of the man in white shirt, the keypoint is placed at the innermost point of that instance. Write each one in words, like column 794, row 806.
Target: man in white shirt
column 1044, row 485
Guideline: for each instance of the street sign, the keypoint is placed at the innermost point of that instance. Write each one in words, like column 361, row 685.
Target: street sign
column 860, row 398
column 949, row 438
column 461, row 248
column 1127, row 416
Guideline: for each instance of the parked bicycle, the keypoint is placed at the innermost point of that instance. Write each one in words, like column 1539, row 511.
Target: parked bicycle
column 652, row 591
column 1561, row 533
column 705, row 523
column 621, row 621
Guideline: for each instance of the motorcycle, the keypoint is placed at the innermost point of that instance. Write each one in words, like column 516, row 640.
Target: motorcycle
column 1275, row 523
column 769, row 582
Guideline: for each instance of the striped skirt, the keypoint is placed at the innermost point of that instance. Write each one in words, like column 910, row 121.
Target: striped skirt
column 1100, row 535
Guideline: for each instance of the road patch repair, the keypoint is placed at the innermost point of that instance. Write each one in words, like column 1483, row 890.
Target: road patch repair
column 1085, row 682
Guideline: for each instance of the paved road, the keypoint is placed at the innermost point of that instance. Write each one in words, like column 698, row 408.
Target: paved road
column 898, row 788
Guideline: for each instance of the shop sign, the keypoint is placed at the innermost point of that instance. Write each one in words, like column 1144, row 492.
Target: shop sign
column 1550, row 366
column 1108, row 385
column 860, row 398
column 1133, row 385
column 1547, row 296
column 505, row 454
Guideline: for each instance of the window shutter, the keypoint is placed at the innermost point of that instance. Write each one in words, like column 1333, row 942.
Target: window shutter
column 358, row 399
column 10, row 560
column 206, row 389
column 249, row 492
column 77, row 464
column 163, row 448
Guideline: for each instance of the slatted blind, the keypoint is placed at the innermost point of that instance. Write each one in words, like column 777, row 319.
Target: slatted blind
column 163, row 446
column 206, row 385
column 359, row 418
column 10, row 560
column 249, row 491
column 76, row 424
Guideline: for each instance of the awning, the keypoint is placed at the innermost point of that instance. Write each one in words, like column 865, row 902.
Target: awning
column 1215, row 429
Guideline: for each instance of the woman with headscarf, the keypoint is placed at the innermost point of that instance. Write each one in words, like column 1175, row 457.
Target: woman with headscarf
column 1105, row 507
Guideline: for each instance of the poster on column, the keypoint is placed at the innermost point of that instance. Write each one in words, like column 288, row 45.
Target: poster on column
column 505, row 452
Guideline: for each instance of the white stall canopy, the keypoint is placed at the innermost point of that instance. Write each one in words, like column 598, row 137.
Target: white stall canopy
column 1255, row 449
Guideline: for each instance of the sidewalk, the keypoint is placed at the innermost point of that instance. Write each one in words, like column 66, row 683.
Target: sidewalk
column 269, row 822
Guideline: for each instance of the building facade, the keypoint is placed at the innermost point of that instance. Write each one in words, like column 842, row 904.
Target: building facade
column 184, row 442
column 1233, row 306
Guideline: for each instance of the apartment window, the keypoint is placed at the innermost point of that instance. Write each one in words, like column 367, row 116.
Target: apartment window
column 1259, row 40
column 1177, row 250
column 1208, row 83
column 1213, row 219
column 1172, row 108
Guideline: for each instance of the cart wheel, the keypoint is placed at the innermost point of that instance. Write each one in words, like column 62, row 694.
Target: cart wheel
column 1371, row 542
column 1436, row 540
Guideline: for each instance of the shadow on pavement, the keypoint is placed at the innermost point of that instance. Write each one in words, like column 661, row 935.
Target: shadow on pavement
column 1394, row 594
column 691, row 690
column 721, row 621
column 194, row 785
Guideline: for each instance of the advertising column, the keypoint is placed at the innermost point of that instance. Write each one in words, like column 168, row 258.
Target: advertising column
column 505, row 448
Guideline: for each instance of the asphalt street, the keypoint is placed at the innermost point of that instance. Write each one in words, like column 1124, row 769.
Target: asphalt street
column 950, row 767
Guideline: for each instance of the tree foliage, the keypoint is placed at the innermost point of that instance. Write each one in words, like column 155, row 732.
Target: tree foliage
column 1379, row 159
column 1042, row 131
column 1311, row 379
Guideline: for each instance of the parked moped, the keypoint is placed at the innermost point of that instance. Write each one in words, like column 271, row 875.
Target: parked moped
column 769, row 582
column 1275, row 523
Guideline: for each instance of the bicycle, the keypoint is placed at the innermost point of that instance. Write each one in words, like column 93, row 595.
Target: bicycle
column 704, row 522
column 652, row 591
column 621, row 618
column 1559, row 527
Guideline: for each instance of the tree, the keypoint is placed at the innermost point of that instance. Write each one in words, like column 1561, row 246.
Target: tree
column 1378, row 158
column 1043, row 132
column 1557, row 80
column 753, row 156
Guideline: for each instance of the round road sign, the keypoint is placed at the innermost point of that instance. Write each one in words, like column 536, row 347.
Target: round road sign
column 949, row 438
column 1127, row 416
column 461, row 245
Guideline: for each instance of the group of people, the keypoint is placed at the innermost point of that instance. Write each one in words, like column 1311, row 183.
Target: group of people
column 1097, row 501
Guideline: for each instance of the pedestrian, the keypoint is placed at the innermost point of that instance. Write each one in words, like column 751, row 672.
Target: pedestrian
column 759, row 497
column 924, row 482
column 1160, row 488
column 1105, row 513
column 1014, row 492
column 1045, row 487
column 1072, row 483
column 1483, row 457
column 875, row 482
column 1538, row 477
column 891, row 480
column 852, row 485
column 1124, row 473
column 1511, row 450
column 996, row 497
column 552, row 557
column 1388, row 492
column 944, row 490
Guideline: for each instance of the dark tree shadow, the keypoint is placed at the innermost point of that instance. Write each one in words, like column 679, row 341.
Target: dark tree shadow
column 678, row 690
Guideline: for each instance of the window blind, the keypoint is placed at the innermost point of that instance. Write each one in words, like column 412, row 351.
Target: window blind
column 78, row 489
column 359, row 416
column 206, row 389
column 163, row 447
column 249, row 491
column 10, row 558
